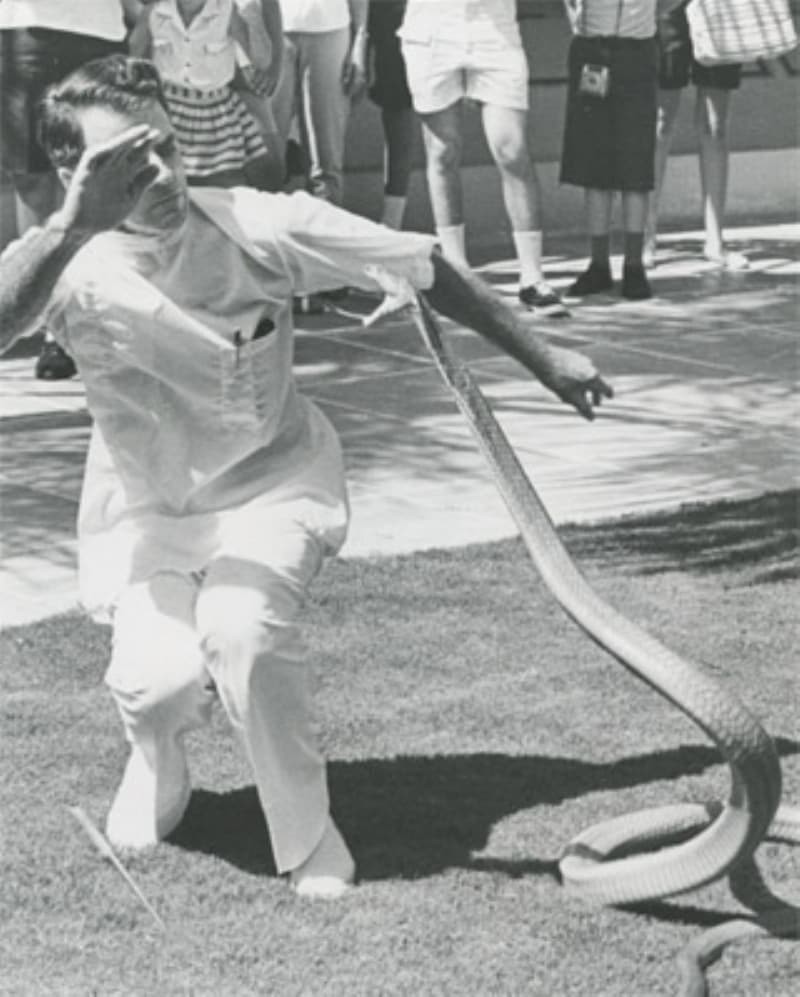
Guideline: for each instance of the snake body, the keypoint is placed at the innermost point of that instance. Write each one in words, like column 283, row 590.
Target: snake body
column 727, row 834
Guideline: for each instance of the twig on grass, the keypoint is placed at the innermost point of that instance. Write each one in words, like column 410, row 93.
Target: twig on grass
column 107, row 852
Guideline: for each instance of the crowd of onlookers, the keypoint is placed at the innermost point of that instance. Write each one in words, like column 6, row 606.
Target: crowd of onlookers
column 259, row 93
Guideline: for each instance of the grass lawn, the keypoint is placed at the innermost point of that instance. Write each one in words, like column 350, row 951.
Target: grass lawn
column 472, row 730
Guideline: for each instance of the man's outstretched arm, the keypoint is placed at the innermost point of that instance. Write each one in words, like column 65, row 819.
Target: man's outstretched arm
column 103, row 190
column 468, row 300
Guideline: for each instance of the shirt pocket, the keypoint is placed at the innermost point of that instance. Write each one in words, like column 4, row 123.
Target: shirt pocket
column 254, row 381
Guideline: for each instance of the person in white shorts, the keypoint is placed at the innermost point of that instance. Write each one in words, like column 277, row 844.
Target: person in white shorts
column 471, row 50
column 213, row 490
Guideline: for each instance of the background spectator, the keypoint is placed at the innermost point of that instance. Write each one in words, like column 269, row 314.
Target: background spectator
column 714, row 85
column 324, row 67
column 609, row 134
column 193, row 44
column 459, row 50
column 42, row 41
column 389, row 90
column 258, row 97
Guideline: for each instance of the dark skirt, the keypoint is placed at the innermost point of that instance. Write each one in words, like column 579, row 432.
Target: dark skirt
column 609, row 142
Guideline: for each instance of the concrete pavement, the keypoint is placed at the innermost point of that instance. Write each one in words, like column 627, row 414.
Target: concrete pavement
column 706, row 407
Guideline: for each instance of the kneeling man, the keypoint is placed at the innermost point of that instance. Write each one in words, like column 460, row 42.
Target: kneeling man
column 213, row 490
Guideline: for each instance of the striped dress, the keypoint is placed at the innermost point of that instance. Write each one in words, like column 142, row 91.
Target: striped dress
column 216, row 133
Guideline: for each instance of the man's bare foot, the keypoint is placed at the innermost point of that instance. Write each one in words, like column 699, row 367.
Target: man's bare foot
column 329, row 870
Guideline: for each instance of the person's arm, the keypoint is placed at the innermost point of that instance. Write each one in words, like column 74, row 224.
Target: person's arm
column 262, row 49
column 140, row 40
column 273, row 24
column 354, row 71
column 466, row 299
column 131, row 11
column 103, row 190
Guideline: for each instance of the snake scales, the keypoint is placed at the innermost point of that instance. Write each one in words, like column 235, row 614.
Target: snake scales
column 728, row 833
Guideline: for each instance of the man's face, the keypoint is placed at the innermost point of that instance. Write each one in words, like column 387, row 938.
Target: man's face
column 164, row 204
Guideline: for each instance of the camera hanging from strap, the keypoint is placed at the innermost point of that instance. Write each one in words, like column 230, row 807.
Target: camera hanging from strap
column 595, row 78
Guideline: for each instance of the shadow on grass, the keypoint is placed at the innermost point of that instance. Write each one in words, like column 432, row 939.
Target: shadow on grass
column 757, row 538
column 412, row 817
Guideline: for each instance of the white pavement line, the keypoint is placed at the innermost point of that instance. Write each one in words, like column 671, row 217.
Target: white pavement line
column 107, row 852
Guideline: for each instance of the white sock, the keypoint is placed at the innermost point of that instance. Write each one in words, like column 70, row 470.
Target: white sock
column 453, row 242
column 394, row 207
column 529, row 254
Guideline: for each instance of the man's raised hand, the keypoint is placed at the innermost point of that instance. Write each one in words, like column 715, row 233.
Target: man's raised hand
column 108, row 182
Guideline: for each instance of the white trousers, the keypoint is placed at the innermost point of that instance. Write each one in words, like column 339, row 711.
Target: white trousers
column 180, row 639
column 311, row 86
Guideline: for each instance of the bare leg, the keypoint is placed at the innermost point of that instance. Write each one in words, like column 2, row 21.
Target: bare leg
column 634, row 210
column 506, row 135
column 598, row 212
column 441, row 132
column 712, row 113
column 668, row 106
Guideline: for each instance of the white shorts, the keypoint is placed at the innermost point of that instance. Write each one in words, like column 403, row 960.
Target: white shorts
column 442, row 71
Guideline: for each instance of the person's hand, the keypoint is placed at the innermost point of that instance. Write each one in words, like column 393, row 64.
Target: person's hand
column 256, row 79
column 262, row 72
column 354, row 71
column 108, row 182
column 574, row 379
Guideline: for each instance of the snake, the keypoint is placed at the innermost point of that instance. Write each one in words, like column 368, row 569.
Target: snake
column 676, row 848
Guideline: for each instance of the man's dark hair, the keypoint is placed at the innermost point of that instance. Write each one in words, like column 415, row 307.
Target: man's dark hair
column 117, row 82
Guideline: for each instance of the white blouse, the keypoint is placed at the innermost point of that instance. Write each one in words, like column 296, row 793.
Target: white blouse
column 201, row 55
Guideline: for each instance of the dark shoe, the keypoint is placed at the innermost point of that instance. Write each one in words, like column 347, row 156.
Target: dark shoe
column 54, row 364
column 635, row 285
column 541, row 299
column 594, row 280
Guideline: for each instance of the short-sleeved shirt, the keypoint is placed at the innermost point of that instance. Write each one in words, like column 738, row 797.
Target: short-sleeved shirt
column 185, row 348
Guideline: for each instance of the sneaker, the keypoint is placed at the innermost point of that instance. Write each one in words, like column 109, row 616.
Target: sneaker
column 53, row 364
column 595, row 279
column 635, row 285
column 541, row 299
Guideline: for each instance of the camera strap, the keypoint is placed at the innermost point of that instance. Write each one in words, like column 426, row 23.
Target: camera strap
column 584, row 8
